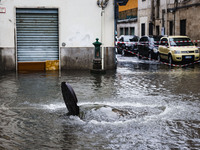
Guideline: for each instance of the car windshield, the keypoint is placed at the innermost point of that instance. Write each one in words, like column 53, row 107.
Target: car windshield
column 127, row 38
column 155, row 40
column 180, row 42
column 134, row 39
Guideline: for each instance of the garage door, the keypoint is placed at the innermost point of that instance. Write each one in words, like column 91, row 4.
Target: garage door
column 37, row 35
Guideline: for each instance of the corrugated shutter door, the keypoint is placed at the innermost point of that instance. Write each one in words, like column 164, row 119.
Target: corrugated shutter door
column 37, row 35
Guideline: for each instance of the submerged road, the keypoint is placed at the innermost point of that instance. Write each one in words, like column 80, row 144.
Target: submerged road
column 158, row 108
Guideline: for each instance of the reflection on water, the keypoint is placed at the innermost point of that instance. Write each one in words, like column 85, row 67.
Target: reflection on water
column 141, row 105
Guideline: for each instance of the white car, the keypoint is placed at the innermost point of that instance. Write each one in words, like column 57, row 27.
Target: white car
column 126, row 42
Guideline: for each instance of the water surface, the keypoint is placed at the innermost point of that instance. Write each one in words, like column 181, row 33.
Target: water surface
column 140, row 105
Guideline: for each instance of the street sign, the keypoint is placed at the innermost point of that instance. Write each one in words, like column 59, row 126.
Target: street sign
column 2, row 10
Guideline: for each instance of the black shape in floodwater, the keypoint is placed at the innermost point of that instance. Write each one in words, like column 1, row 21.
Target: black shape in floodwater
column 70, row 99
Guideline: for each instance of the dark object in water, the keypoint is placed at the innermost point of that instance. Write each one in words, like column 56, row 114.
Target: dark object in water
column 70, row 99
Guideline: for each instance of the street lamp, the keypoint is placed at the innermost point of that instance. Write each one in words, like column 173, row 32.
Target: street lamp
column 102, row 4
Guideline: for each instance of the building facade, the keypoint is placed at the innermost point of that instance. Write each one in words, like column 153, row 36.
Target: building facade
column 169, row 17
column 183, row 18
column 127, row 21
column 33, row 32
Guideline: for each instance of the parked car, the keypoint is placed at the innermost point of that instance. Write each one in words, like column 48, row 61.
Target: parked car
column 178, row 49
column 126, row 42
column 148, row 46
column 132, row 45
column 116, row 41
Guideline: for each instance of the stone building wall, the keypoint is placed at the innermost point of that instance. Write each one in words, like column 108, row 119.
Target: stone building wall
column 190, row 13
column 7, row 59
column 144, row 12
column 188, row 10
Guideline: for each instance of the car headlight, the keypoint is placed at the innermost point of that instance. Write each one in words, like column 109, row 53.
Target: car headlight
column 155, row 50
column 177, row 52
column 197, row 51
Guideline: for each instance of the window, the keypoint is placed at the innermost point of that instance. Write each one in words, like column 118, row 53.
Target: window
column 144, row 39
column 126, row 31
column 171, row 28
column 155, row 40
column 157, row 30
column 183, row 27
column 134, row 39
column 150, row 28
column 121, row 31
column 127, row 38
column 141, row 40
column 132, row 31
column 176, row 42
column 164, row 42
column 121, row 39
column 142, row 29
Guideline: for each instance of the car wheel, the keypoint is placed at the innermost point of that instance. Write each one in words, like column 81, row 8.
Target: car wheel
column 150, row 56
column 170, row 59
column 123, row 46
column 158, row 57
column 119, row 51
column 138, row 55
column 123, row 52
column 116, row 50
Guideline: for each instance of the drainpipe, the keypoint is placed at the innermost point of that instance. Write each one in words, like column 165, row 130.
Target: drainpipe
column 163, row 21
column 116, row 9
column 174, row 22
column 152, row 11
column 102, row 35
column 175, row 8
column 167, row 24
column 102, row 4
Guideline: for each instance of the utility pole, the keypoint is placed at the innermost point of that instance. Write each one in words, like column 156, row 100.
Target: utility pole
column 102, row 4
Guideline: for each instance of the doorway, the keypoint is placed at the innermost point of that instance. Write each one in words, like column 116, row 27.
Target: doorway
column 37, row 37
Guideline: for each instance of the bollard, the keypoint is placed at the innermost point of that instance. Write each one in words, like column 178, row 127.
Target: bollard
column 97, row 52
column 97, row 55
column 97, row 61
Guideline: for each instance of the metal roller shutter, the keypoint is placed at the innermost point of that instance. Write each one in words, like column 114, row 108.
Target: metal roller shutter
column 37, row 35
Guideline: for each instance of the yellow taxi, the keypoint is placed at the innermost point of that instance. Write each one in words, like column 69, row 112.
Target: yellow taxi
column 177, row 49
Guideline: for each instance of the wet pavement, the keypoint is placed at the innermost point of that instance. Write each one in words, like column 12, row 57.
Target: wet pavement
column 141, row 105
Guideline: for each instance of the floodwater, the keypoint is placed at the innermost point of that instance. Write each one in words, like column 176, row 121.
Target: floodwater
column 142, row 105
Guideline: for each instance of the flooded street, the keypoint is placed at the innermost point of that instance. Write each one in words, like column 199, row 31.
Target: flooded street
column 142, row 105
